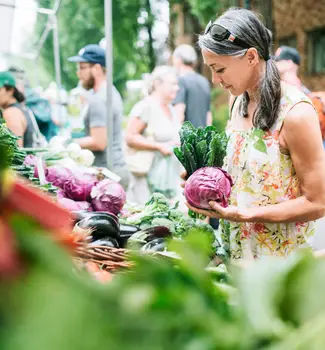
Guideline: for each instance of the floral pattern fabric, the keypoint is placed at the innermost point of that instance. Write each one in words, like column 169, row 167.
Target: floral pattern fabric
column 263, row 174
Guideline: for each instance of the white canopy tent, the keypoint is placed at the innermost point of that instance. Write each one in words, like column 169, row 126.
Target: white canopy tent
column 11, row 10
column 6, row 24
column 8, row 9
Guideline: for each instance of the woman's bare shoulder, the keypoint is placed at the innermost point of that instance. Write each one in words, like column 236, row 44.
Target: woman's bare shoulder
column 301, row 123
column 300, row 114
column 13, row 112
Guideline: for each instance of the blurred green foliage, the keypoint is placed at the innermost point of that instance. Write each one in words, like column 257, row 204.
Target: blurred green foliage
column 161, row 303
column 206, row 10
column 219, row 109
column 82, row 22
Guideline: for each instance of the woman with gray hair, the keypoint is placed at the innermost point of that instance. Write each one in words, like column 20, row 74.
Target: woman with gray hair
column 154, row 127
column 274, row 153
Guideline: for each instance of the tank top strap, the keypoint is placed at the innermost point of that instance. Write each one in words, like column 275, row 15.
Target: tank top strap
column 291, row 96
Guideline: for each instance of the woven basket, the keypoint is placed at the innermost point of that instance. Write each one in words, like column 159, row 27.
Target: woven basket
column 109, row 259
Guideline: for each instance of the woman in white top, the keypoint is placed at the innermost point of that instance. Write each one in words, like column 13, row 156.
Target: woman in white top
column 153, row 126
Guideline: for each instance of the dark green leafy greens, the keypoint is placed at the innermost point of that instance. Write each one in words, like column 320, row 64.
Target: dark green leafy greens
column 200, row 147
column 12, row 154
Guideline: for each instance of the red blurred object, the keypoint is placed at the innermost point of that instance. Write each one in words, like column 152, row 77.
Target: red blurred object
column 34, row 203
column 9, row 261
column 20, row 198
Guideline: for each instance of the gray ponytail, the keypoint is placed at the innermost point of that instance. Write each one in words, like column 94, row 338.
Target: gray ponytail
column 248, row 27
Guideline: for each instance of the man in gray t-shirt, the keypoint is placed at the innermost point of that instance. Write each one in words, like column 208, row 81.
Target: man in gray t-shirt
column 96, row 118
column 192, row 102
column 91, row 73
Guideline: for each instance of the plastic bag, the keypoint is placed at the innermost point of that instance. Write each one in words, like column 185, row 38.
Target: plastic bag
column 163, row 176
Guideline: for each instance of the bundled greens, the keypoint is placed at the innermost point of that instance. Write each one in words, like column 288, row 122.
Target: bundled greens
column 200, row 147
column 13, row 154
column 28, row 172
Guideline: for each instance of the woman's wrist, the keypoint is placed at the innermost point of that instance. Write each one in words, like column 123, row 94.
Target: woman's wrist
column 156, row 146
column 245, row 214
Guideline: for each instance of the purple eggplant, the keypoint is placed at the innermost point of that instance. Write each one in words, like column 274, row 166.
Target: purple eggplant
column 101, row 225
column 156, row 245
column 156, row 232
column 105, row 242
column 126, row 231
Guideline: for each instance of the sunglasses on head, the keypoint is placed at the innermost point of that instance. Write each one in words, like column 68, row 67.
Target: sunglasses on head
column 220, row 33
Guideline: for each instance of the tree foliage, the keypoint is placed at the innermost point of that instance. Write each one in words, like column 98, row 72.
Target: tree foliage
column 206, row 10
column 82, row 22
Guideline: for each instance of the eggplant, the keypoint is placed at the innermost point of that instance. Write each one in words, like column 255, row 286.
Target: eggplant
column 105, row 242
column 126, row 231
column 156, row 232
column 82, row 214
column 102, row 225
column 79, row 215
column 156, row 245
column 104, row 213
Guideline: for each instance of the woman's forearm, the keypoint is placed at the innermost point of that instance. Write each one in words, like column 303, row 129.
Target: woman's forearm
column 299, row 209
column 141, row 143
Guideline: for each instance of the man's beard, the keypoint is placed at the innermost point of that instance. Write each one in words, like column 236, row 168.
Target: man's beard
column 89, row 84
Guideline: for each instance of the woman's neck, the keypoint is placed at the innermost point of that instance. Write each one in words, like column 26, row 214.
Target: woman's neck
column 254, row 90
column 10, row 102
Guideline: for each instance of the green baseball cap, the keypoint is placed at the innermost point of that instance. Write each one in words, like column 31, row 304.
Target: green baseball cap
column 7, row 79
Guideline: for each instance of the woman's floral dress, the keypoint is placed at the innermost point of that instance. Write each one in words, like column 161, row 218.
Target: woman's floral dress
column 263, row 174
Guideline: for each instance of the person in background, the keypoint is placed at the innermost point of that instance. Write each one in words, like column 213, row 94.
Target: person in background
column 91, row 72
column 153, row 126
column 274, row 152
column 287, row 61
column 192, row 101
column 20, row 78
column 16, row 115
column 39, row 106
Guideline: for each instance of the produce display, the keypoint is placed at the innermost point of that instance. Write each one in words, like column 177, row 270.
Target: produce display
column 158, row 221
column 146, row 297
column 78, row 189
column 148, row 228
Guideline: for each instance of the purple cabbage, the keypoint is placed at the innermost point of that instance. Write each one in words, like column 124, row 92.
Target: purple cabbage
column 208, row 184
column 108, row 196
column 78, row 187
column 74, row 205
column 58, row 175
